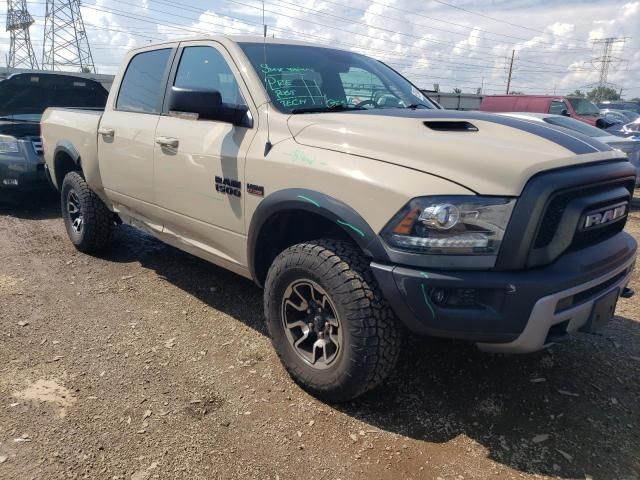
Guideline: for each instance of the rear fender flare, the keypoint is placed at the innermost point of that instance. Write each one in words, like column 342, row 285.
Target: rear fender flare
column 66, row 147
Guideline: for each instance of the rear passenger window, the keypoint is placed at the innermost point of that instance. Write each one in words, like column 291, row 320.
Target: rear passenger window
column 142, row 87
column 557, row 107
column 205, row 68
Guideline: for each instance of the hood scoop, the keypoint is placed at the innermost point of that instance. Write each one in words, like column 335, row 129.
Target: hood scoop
column 450, row 126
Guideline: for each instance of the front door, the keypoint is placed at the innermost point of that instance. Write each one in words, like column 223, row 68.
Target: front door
column 199, row 164
column 126, row 135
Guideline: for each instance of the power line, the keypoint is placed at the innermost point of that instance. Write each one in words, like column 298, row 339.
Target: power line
column 453, row 45
column 242, row 21
column 497, row 19
column 116, row 12
column 446, row 21
column 417, row 62
column 404, row 21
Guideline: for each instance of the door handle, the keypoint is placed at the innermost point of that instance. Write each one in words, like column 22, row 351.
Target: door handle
column 168, row 142
column 107, row 132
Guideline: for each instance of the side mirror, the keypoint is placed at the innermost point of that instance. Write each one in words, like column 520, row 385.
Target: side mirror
column 602, row 123
column 208, row 105
column 565, row 113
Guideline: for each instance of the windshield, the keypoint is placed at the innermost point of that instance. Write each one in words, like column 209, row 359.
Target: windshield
column 616, row 117
column 577, row 126
column 582, row 106
column 631, row 114
column 302, row 79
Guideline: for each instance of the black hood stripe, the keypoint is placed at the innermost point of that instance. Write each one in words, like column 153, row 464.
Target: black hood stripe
column 578, row 144
column 573, row 141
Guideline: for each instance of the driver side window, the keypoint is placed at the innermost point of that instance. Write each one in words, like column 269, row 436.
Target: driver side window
column 205, row 68
column 363, row 86
column 557, row 107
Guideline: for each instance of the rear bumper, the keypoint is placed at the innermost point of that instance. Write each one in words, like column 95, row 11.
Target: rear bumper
column 509, row 311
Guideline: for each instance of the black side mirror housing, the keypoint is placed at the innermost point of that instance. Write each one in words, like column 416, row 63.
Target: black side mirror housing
column 208, row 105
column 602, row 123
column 565, row 113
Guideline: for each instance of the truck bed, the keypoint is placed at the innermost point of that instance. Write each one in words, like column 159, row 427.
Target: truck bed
column 73, row 132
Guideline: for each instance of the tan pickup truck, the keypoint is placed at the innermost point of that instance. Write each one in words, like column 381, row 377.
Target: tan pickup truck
column 362, row 209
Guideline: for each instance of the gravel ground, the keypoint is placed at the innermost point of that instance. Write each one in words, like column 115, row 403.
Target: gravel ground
column 148, row 363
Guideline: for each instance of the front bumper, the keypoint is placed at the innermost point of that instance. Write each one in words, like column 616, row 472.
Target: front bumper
column 509, row 311
column 22, row 176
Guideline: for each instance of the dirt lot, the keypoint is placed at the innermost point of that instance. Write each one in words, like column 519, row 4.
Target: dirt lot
column 149, row 363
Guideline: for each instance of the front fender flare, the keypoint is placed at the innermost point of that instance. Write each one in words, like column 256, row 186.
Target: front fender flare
column 318, row 203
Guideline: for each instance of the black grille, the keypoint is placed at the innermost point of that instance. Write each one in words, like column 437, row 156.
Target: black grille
column 551, row 219
column 557, row 206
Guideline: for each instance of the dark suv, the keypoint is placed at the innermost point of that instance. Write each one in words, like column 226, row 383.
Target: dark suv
column 23, row 98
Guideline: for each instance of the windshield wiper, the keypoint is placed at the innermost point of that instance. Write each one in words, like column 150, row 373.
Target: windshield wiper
column 333, row 108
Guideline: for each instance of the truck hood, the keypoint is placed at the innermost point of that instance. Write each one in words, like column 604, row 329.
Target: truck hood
column 488, row 154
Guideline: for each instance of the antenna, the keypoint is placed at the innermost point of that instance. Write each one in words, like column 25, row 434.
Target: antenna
column 268, row 145
column 65, row 39
column 18, row 22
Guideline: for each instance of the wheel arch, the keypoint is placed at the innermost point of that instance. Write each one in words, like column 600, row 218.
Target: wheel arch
column 291, row 216
column 65, row 159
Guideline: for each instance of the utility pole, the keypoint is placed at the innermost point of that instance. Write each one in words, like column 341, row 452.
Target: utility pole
column 606, row 60
column 513, row 54
column 19, row 20
column 66, row 46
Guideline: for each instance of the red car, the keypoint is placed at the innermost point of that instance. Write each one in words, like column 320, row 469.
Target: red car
column 574, row 107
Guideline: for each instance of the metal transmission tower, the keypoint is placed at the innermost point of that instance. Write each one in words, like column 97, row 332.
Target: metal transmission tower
column 606, row 60
column 65, row 40
column 19, row 20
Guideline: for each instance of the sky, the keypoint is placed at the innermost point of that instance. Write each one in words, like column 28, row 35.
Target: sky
column 461, row 44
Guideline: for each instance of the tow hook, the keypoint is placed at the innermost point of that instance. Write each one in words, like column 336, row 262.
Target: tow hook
column 627, row 292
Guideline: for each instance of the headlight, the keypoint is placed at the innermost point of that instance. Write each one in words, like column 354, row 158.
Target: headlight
column 8, row 144
column 450, row 225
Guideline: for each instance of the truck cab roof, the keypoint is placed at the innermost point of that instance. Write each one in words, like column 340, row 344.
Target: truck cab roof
column 232, row 39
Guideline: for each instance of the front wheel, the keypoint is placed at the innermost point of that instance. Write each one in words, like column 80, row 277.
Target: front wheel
column 332, row 329
column 88, row 221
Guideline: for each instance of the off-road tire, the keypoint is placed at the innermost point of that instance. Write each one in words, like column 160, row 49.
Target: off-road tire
column 371, row 333
column 98, row 221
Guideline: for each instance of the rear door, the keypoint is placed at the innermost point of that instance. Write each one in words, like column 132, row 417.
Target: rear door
column 199, row 182
column 126, row 135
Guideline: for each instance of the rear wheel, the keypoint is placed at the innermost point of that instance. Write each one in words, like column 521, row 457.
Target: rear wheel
column 88, row 221
column 330, row 325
